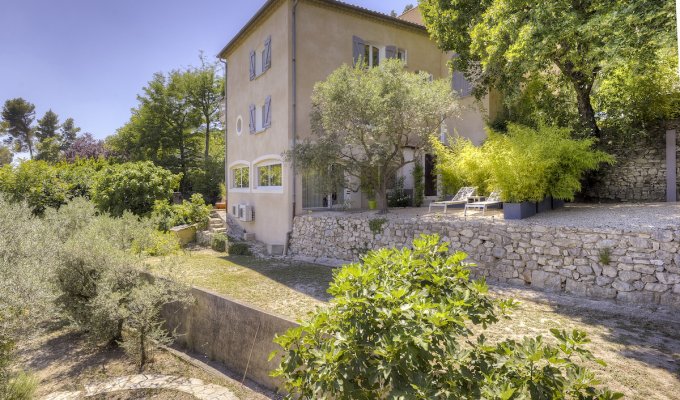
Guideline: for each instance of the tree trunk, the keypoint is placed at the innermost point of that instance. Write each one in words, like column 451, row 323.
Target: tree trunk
column 207, row 142
column 585, row 111
column 381, row 196
column 30, row 149
column 142, row 348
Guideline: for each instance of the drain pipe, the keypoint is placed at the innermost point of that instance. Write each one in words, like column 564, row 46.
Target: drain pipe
column 226, row 171
column 294, row 106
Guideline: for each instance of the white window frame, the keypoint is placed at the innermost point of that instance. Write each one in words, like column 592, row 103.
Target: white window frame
column 404, row 57
column 238, row 165
column 381, row 54
column 264, row 161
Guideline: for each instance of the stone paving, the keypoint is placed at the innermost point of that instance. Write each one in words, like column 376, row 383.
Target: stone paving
column 194, row 387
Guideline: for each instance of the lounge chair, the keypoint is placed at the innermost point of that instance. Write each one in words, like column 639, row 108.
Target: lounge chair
column 459, row 198
column 493, row 199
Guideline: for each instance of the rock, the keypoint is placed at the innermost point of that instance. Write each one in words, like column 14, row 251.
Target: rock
column 629, row 276
column 622, row 286
column 656, row 287
column 546, row 280
column 666, row 278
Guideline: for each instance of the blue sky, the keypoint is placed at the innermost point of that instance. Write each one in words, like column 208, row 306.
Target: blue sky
column 88, row 59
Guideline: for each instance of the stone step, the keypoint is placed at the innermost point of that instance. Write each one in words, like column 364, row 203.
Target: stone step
column 218, row 230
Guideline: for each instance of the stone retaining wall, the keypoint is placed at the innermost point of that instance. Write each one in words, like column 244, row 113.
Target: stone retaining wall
column 644, row 266
column 639, row 174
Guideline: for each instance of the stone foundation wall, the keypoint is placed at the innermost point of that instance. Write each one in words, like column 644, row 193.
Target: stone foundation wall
column 643, row 266
column 639, row 174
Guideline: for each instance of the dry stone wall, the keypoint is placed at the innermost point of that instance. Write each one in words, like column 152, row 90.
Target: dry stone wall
column 629, row 266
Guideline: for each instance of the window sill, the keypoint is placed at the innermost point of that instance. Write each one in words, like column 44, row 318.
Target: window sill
column 260, row 131
column 260, row 74
column 269, row 189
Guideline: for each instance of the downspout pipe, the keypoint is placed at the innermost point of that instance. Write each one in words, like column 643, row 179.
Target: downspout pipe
column 226, row 171
column 294, row 120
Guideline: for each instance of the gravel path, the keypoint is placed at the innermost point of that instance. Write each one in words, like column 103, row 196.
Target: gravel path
column 632, row 216
column 194, row 387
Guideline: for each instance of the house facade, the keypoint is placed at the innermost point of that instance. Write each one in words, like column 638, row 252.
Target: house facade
column 272, row 66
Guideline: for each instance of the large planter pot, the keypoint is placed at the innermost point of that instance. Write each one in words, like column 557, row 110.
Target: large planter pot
column 221, row 205
column 372, row 204
column 521, row 210
column 557, row 203
column 544, row 205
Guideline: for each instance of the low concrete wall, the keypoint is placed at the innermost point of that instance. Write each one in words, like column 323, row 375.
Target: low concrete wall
column 228, row 331
column 643, row 267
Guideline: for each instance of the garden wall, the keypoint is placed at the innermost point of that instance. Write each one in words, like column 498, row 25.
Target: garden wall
column 639, row 174
column 644, row 265
column 227, row 331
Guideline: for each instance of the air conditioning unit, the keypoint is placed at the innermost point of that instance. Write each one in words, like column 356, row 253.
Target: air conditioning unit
column 245, row 213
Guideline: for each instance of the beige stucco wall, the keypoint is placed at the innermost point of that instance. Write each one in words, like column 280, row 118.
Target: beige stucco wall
column 272, row 210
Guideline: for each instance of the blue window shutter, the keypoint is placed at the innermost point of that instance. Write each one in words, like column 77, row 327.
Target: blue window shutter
column 391, row 52
column 460, row 84
column 252, row 65
column 267, row 53
column 252, row 118
column 268, row 112
column 357, row 48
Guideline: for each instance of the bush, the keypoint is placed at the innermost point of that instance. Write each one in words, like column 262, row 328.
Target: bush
column 219, row 242
column 239, row 249
column 35, row 182
column 191, row 212
column 133, row 187
column 397, row 197
column 461, row 164
column 408, row 324
column 21, row 387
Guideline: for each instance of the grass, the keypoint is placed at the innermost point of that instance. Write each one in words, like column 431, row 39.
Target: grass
column 290, row 290
column 642, row 356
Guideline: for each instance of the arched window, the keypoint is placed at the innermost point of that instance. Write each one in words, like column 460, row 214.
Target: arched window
column 239, row 176
column 268, row 173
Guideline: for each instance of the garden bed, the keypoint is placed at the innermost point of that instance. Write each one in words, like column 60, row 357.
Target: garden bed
column 642, row 354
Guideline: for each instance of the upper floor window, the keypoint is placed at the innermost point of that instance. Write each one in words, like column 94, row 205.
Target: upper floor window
column 261, row 116
column 261, row 59
column 371, row 54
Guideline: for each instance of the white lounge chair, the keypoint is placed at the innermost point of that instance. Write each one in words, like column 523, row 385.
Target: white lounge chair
column 493, row 199
column 459, row 198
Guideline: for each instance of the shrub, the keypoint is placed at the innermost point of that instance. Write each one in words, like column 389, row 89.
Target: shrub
column 376, row 225
column 21, row 387
column 461, row 164
column 397, row 197
column 133, row 187
column 418, row 185
column 35, row 182
column 239, row 249
column 219, row 242
column 408, row 324
column 195, row 211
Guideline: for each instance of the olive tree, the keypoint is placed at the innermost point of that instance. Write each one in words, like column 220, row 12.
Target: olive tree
column 409, row 324
column 362, row 119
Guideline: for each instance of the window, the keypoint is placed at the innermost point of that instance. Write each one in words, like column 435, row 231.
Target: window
column 401, row 55
column 240, row 177
column 260, row 116
column 371, row 55
column 269, row 175
column 261, row 59
column 239, row 125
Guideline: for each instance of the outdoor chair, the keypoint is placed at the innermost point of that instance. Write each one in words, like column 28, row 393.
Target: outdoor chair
column 459, row 198
column 493, row 199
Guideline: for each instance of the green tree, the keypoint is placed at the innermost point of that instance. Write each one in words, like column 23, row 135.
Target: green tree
column 133, row 187
column 49, row 149
column 363, row 118
column 69, row 132
column 6, row 156
column 18, row 116
column 505, row 41
column 206, row 90
column 48, row 126
column 409, row 324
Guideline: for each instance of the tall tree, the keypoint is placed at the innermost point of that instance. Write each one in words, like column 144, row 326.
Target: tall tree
column 205, row 94
column 501, row 42
column 85, row 146
column 48, row 126
column 69, row 132
column 49, row 138
column 362, row 120
column 18, row 116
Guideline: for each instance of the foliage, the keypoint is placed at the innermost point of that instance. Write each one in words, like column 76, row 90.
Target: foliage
column 397, row 197
column 191, row 212
column 637, row 94
column 376, row 225
column 80, row 176
column 525, row 164
column 505, row 42
column 21, row 387
column 239, row 249
column 133, row 187
column 220, row 241
column 18, row 116
column 176, row 126
column 605, row 256
column 362, row 118
column 223, row 192
column 34, row 182
column 418, row 185
column 143, row 323
column 49, row 149
column 69, row 133
column 408, row 324
column 460, row 164
column 6, row 156
column 85, row 146
column 49, row 141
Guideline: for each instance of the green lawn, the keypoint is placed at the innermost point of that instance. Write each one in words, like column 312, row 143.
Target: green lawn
column 643, row 356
